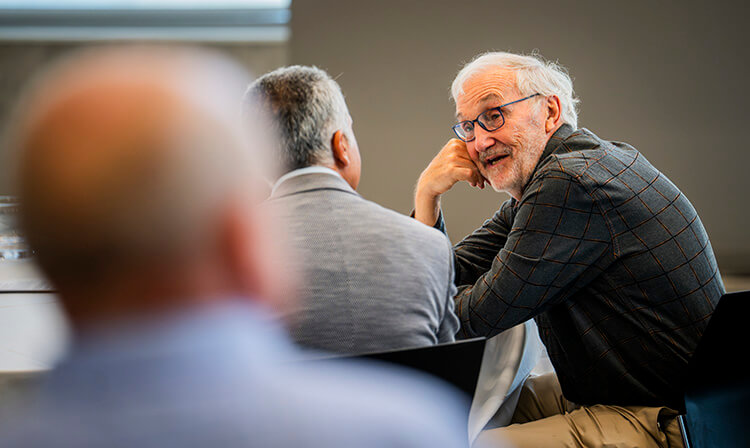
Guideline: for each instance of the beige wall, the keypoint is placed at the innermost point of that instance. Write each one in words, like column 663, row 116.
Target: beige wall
column 19, row 61
column 667, row 77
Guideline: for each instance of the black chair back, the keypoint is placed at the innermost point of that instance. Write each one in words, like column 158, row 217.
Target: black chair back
column 457, row 363
column 717, row 392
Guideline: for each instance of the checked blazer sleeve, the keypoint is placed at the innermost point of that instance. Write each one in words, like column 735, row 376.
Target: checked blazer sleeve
column 531, row 254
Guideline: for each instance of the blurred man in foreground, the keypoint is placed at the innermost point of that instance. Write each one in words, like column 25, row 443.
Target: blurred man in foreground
column 139, row 196
column 374, row 279
column 595, row 244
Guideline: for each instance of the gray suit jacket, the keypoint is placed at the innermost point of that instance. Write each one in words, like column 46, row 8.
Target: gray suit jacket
column 372, row 279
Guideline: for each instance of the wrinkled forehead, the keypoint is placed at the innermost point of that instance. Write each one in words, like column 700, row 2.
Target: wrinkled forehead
column 488, row 88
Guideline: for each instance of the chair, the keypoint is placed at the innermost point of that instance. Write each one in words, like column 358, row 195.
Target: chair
column 717, row 390
column 489, row 371
column 457, row 363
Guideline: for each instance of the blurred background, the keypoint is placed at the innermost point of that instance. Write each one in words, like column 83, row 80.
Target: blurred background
column 667, row 77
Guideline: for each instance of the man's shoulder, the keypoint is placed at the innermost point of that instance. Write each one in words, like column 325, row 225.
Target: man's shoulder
column 327, row 405
column 585, row 157
column 406, row 221
column 376, row 402
column 406, row 229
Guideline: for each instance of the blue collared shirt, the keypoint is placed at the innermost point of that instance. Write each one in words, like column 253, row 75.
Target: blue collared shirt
column 227, row 376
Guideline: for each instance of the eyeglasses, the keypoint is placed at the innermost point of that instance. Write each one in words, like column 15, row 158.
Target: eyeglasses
column 490, row 120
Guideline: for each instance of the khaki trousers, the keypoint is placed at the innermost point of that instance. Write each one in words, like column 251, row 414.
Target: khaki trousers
column 544, row 418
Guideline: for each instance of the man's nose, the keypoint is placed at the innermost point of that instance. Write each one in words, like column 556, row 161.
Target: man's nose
column 482, row 139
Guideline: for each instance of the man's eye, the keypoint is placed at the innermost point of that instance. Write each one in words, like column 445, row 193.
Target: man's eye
column 467, row 126
column 492, row 115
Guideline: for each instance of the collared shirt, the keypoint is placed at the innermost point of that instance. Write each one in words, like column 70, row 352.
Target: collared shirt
column 302, row 172
column 611, row 260
column 227, row 376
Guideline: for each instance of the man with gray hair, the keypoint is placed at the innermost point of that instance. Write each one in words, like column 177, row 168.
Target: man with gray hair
column 374, row 280
column 595, row 244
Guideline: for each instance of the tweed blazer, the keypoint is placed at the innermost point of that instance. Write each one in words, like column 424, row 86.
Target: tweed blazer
column 372, row 279
column 612, row 261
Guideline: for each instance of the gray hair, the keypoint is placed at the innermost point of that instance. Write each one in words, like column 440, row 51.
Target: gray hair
column 307, row 107
column 533, row 75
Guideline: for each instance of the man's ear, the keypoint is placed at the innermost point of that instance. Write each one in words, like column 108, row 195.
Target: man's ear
column 553, row 112
column 340, row 148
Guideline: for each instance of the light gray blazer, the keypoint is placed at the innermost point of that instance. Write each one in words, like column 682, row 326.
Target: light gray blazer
column 372, row 279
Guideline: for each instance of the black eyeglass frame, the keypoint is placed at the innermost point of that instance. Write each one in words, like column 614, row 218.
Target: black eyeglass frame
column 458, row 125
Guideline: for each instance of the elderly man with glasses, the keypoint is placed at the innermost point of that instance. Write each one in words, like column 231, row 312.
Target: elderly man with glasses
column 595, row 244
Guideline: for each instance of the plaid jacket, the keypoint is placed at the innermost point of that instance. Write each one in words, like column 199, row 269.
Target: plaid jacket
column 609, row 258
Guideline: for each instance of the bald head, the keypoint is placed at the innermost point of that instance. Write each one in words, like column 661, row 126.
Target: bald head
column 131, row 157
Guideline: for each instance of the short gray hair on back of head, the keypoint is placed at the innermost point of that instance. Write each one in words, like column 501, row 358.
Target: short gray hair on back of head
column 308, row 107
column 533, row 75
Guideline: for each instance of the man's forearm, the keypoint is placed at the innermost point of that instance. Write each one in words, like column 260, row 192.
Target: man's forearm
column 426, row 208
column 452, row 164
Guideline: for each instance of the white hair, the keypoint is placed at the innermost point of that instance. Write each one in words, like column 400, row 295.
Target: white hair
column 533, row 75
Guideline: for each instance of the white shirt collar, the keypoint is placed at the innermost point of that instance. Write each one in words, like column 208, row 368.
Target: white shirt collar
column 302, row 171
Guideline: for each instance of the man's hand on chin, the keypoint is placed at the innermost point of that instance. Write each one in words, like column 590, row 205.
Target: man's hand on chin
column 452, row 164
